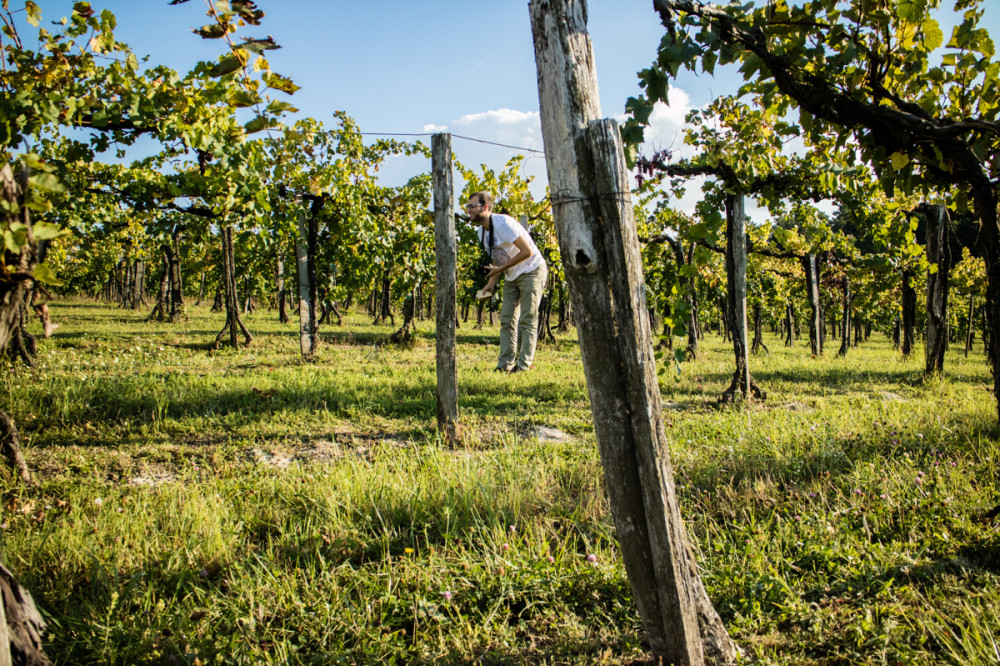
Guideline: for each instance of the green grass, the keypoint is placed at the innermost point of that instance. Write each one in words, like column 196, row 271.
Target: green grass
column 244, row 507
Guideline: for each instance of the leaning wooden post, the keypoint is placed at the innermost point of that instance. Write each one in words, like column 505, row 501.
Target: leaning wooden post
column 447, row 288
column 5, row 659
column 600, row 249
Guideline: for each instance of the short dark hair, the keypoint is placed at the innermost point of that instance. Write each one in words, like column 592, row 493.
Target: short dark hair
column 484, row 198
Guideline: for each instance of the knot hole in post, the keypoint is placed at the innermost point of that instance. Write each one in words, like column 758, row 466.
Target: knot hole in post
column 582, row 260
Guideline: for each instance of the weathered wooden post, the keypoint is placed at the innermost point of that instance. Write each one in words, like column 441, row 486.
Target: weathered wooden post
column 939, row 255
column 279, row 290
column 139, row 275
column 790, row 324
column 736, row 297
column 845, row 319
column 600, row 249
column 447, row 287
column 233, row 319
column 21, row 625
column 909, row 313
column 5, row 659
column 969, row 329
column 811, row 265
column 307, row 288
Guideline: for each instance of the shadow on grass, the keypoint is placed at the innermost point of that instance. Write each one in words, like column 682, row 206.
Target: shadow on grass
column 535, row 600
column 835, row 456
column 172, row 401
column 829, row 382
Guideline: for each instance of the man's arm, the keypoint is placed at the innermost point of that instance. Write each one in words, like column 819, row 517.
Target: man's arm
column 524, row 251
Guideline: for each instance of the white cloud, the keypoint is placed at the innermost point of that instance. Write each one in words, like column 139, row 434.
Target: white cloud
column 692, row 196
column 514, row 129
column 519, row 128
column 666, row 123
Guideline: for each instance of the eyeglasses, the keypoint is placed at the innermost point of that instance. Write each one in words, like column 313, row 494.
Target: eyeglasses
column 472, row 205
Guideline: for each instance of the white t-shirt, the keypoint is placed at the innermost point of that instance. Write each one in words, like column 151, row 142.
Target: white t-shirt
column 505, row 231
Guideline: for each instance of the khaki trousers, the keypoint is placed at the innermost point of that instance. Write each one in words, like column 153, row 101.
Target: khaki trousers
column 521, row 297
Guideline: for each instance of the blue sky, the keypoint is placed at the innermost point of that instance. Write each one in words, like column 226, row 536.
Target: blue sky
column 409, row 67
column 465, row 67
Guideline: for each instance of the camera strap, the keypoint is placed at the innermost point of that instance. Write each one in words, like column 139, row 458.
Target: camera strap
column 489, row 248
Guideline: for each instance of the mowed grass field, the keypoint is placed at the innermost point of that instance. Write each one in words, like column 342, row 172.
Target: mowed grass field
column 245, row 507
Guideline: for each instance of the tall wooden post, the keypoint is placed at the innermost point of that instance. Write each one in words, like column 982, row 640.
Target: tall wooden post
column 599, row 245
column 137, row 283
column 279, row 287
column 845, row 319
column 307, row 303
column 969, row 329
column 233, row 322
column 811, row 265
column 939, row 255
column 736, row 297
column 447, row 287
column 909, row 313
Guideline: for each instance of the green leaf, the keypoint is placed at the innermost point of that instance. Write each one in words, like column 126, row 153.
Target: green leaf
column 632, row 136
column 708, row 62
column 248, row 11
column 227, row 65
column 656, row 84
column 257, row 124
column 640, row 109
column 933, row 35
column 241, row 99
column 908, row 10
column 258, row 46
column 277, row 107
column 46, row 182
column 899, row 160
column 43, row 273
column 14, row 241
column 47, row 231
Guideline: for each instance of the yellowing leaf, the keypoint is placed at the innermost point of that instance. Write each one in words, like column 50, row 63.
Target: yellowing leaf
column 899, row 160
column 34, row 14
column 279, row 82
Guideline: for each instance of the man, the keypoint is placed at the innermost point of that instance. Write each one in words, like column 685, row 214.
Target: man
column 513, row 253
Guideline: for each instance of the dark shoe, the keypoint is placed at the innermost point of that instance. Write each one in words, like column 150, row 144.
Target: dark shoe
column 518, row 368
column 502, row 369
